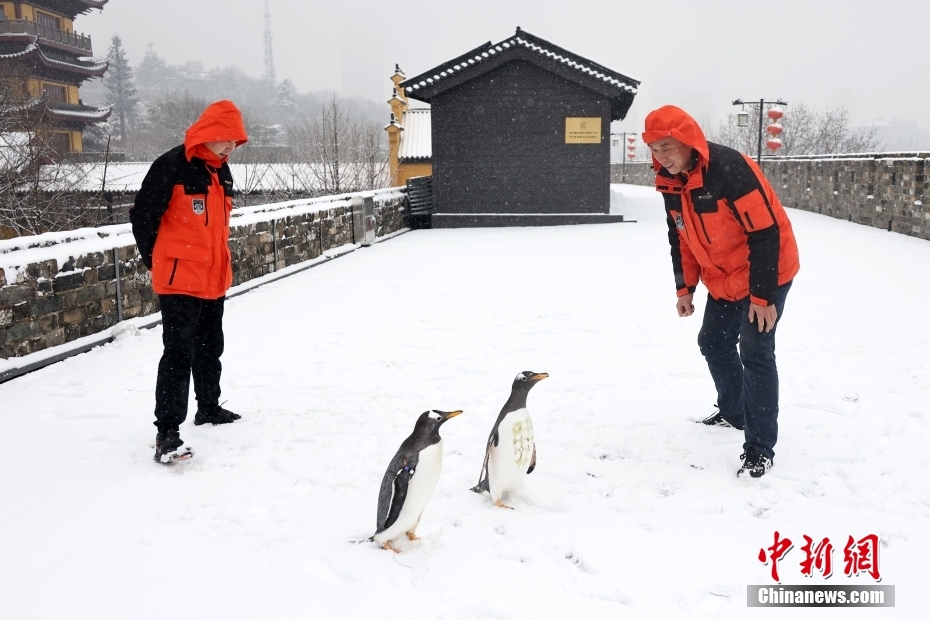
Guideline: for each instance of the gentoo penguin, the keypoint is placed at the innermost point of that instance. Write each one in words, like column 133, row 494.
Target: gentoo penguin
column 511, row 449
column 410, row 479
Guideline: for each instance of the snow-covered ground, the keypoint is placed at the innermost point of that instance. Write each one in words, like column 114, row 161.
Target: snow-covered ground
column 634, row 510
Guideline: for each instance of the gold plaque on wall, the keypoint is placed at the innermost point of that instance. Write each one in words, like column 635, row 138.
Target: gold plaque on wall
column 582, row 130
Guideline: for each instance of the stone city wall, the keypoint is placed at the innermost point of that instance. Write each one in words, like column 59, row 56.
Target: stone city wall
column 53, row 290
column 884, row 190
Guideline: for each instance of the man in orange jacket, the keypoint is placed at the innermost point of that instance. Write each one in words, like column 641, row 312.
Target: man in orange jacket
column 728, row 229
column 180, row 220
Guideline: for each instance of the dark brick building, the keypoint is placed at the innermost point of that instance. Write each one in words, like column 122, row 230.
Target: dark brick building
column 521, row 134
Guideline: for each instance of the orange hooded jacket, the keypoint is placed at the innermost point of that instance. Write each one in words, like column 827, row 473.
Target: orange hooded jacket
column 181, row 214
column 726, row 225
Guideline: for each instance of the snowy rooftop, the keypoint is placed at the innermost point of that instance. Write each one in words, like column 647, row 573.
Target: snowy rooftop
column 634, row 511
column 86, row 67
column 523, row 45
column 248, row 178
column 416, row 142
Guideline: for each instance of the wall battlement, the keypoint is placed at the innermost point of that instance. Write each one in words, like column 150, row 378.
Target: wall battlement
column 59, row 287
column 884, row 190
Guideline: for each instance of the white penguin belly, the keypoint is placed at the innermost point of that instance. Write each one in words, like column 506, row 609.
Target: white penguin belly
column 510, row 459
column 419, row 490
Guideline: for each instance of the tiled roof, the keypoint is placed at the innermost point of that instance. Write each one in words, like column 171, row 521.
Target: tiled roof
column 247, row 178
column 72, row 111
column 51, row 60
column 526, row 45
column 416, row 142
column 72, row 7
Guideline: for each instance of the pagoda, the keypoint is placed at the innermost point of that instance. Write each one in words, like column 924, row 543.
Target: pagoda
column 37, row 39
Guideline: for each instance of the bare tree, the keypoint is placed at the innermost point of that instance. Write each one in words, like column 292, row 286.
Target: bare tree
column 338, row 152
column 807, row 131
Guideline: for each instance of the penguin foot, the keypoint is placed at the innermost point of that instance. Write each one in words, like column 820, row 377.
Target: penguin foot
column 412, row 536
column 501, row 504
column 389, row 547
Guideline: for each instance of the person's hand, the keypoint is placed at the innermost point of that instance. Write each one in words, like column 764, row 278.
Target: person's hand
column 684, row 305
column 765, row 316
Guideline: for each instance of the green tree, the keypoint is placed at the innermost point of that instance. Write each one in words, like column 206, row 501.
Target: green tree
column 119, row 82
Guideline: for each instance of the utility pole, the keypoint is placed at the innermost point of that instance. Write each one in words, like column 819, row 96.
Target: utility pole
column 743, row 118
column 269, row 55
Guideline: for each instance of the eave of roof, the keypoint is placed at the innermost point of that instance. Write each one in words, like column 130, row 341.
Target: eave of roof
column 71, row 111
column 526, row 46
column 71, row 7
column 33, row 50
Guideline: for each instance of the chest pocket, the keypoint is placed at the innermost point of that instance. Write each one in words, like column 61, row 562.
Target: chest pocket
column 707, row 207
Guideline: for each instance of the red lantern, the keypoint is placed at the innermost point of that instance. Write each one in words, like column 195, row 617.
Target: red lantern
column 775, row 113
column 631, row 155
column 774, row 129
column 773, row 143
column 631, row 140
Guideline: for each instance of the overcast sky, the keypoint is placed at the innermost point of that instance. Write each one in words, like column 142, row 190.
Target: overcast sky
column 867, row 55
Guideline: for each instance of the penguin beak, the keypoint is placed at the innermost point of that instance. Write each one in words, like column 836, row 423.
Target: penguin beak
column 448, row 415
column 539, row 376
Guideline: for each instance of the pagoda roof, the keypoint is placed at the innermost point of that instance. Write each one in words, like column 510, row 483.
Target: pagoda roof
column 77, row 112
column 72, row 8
column 52, row 60
column 60, row 111
column 620, row 88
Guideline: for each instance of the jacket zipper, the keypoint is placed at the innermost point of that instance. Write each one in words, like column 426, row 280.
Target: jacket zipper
column 704, row 228
column 748, row 220
column 173, row 270
column 206, row 211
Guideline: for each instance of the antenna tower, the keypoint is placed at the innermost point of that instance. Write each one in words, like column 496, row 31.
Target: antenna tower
column 269, row 55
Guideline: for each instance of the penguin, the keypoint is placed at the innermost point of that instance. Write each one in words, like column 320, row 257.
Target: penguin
column 410, row 479
column 511, row 450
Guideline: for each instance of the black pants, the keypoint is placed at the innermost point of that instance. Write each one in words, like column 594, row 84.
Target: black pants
column 193, row 338
column 746, row 380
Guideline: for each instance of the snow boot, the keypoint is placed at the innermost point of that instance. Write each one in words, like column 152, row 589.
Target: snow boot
column 169, row 447
column 215, row 415
column 717, row 419
column 755, row 465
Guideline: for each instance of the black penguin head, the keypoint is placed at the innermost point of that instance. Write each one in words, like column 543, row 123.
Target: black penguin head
column 527, row 379
column 430, row 421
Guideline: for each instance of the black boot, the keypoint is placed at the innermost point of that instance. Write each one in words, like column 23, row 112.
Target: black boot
column 717, row 419
column 215, row 415
column 169, row 447
column 755, row 465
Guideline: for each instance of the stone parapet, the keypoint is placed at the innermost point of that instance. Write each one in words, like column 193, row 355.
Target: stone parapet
column 54, row 301
column 888, row 192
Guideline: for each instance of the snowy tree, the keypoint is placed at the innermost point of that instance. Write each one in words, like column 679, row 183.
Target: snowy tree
column 169, row 116
column 119, row 82
column 154, row 75
column 286, row 96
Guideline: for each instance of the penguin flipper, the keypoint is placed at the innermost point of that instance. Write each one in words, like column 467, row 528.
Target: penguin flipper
column 482, row 486
column 394, row 490
column 483, row 483
column 532, row 461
